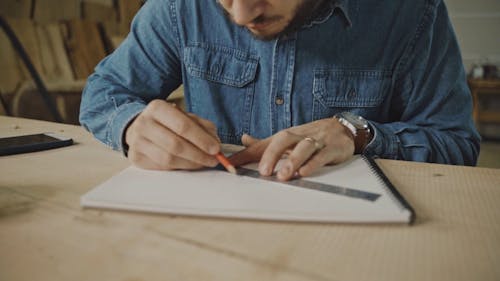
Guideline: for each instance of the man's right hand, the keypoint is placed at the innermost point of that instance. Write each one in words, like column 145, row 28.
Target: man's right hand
column 163, row 137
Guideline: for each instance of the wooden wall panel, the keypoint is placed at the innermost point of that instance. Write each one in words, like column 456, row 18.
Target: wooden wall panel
column 54, row 60
column 45, row 47
column 10, row 71
column 85, row 47
column 127, row 11
column 55, row 10
column 99, row 11
column 25, row 30
column 15, row 8
column 63, row 48
column 108, row 3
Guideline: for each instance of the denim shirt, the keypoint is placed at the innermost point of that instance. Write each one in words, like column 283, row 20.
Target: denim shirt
column 396, row 63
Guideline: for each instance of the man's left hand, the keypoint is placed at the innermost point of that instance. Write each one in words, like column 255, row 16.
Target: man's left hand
column 309, row 147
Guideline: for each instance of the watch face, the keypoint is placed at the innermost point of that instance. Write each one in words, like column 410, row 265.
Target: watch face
column 358, row 121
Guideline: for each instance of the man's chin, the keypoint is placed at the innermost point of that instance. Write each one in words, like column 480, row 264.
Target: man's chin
column 264, row 37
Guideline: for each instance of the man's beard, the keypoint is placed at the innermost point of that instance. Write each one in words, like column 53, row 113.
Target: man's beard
column 304, row 13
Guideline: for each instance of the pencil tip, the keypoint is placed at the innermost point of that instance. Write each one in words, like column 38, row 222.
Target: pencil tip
column 232, row 170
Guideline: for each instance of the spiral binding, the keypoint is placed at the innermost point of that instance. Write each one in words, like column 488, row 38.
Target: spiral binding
column 394, row 194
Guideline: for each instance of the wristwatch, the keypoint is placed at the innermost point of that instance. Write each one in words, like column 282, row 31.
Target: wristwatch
column 359, row 128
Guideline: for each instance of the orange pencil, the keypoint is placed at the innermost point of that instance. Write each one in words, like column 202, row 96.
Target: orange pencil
column 225, row 162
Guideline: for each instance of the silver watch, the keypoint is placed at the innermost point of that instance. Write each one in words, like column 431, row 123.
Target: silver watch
column 359, row 128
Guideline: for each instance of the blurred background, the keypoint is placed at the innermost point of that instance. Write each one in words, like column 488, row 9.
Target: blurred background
column 63, row 40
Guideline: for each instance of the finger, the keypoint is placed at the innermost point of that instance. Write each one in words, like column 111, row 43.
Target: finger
column 324, row 157
column 176, row 145
column 181, row 124
column 207, row 125
column 176, row 163
column 277, row 147
column 248, row 140
column 251, row 154
column 154, row 157
column 142, row 161
column 298, row 156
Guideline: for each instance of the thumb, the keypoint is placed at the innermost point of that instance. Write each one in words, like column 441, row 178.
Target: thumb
column 253, row 151
column 248, row 140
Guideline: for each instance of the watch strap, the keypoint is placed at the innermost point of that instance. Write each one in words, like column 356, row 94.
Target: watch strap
column 361, row 140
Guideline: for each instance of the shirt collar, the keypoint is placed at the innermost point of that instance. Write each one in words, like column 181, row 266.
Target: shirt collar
column 340, row 6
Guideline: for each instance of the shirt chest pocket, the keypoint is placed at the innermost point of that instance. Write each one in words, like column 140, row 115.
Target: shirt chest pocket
column 220, row 86
column 359, row 91
column 221, row 65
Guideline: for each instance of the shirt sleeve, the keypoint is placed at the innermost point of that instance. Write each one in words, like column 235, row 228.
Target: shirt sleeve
column 432, row 114
column 146, row 66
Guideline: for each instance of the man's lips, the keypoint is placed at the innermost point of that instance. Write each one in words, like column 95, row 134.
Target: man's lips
column 261, row 25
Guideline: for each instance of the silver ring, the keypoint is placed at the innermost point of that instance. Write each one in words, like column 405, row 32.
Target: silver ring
column 317, row 144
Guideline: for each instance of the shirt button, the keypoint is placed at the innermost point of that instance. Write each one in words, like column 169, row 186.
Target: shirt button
column 279, row 101
column 352, row 94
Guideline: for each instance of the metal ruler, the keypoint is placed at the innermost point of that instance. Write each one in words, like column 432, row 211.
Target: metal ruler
column 339, row 190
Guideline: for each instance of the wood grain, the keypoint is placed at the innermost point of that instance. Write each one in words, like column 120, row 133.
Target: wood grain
column 11, row 74
column 56, row 10
column 127, row 11
column 84, row 45
column 25, row 30
column 43, row 228
column 54, row 60
column 15, row 8
column 104, row 11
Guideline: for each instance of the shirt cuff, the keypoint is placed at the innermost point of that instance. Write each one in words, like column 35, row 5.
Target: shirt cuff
column 120, row 121
column 384, row 143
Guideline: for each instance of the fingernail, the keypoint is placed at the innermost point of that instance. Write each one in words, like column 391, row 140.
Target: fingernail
column 264, row 170
column 213, row 149
column 285, row 171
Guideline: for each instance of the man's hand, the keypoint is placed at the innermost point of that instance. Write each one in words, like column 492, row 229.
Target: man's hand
column 309, row 147
column 163, row 137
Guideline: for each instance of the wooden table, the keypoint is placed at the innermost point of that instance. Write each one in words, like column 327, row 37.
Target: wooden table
column 46, row 235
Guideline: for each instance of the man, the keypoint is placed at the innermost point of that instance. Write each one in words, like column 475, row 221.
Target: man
column 316, row 80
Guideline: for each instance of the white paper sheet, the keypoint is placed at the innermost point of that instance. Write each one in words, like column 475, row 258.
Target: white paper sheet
column 221, row 194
